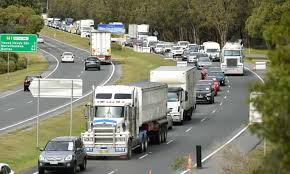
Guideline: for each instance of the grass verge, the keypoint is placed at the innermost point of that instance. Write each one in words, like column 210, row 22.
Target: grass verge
column 37, row 64
column 256, row 51
column 20, row 151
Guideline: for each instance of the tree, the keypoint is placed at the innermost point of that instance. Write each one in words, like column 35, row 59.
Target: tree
column 34, row 4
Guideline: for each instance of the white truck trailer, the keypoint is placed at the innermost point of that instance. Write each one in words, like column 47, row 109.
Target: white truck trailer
column 138, row 31
column 101, row 45
column 181, row 82
column 125, row 118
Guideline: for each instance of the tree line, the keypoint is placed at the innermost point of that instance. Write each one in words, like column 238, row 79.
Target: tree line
column 193, row 20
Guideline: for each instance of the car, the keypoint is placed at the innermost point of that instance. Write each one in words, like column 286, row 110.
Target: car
column 211, row 82
column 183, row 44
column 204, row 93
column 66, row 153
column 219, row 76
column 192, row 57
column 216, row 82
column 92, row 62
column 159, row 49
column 184, row 56
column 203, row 61
column 5, row 169
column 67, row 57
column 40, row 39
column 27, row 81
column 177, row 51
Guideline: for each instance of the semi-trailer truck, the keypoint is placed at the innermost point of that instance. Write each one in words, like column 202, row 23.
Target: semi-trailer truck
column 123, row 118
column 181, row 82
column 101, row 45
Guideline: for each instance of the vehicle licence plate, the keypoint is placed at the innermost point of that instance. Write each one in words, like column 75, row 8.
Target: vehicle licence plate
column 103, row 151
column 200, row 96
column 53, row 162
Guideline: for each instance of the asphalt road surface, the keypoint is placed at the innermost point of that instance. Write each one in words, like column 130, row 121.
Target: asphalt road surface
column 20, row 106
column 210, row 127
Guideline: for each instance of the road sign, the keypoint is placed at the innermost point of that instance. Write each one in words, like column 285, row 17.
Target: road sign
column 18, row 42
column 56, row 88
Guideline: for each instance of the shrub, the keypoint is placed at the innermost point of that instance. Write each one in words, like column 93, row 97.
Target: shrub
column 116, row 46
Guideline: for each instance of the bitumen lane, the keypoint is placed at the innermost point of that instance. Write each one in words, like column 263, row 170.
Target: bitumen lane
column 21, row 105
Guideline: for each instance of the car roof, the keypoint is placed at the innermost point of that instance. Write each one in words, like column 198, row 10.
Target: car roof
column 4, row 164
column 65, row 138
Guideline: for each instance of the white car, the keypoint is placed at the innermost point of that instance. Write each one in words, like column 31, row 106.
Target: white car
column 159, row 48
column 177, row 51
column 5, row 169
column 67, row 57
column 40, row 40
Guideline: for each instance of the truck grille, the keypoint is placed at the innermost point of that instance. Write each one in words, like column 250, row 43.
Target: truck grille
column 232, row 62
column 104, row 140
column 104, row 136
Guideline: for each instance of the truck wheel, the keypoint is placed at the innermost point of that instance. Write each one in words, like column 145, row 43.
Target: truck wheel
column 146, row 144
column 129, row 153
column 165, row 133
column 159, row 136
column 41, row 170
column 141, row 147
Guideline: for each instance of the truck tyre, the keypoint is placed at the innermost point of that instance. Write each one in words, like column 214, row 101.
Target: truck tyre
column 83, row 166
column 141, row 147
column 41, row 170
column 129, row 153
column 165, row 133
column 146, row 144
column 159, row 136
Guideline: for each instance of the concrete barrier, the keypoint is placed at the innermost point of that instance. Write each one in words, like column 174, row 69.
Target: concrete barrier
column 259, row 65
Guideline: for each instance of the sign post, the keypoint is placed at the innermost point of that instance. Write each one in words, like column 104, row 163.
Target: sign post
column 56, row 88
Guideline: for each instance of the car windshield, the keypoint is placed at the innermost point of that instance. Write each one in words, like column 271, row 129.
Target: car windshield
column 172, row 97
column 177, row 48
column 212, row 50
column 202, row 88
column 67, row 54
column 183, row 43
column 193, row 54
column 232, row 53
column 92, row 59
column 59, row 146
column 203, row 59
column 213, row 73
column 109, row 111
column 159, row 46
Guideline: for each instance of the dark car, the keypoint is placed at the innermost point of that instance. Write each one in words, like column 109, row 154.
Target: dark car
column 219, row 76
column 210, row 82
column 65, row 153
column 28, row 80
column 204, row 93
column 92, row 62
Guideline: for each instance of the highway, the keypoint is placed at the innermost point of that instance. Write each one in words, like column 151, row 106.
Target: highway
column 211, row 126
column 20, row 106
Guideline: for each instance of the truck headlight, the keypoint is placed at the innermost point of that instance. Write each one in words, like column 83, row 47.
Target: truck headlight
column 41, row 158
column 68, row 158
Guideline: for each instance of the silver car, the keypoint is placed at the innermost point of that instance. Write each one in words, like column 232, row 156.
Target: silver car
column 192, row 57
column 203, row 62
column 63, row 153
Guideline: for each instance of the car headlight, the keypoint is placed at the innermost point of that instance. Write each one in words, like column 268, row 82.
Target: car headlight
column 41, row 158
column 209, row 94
column 68, row 158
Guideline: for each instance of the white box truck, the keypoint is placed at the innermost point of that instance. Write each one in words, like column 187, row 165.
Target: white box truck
column 138, row 31
column 101, row 45
column 123, row 118
column 181, row 82
column 85, row 27
column 133, row 30
column 213, row 50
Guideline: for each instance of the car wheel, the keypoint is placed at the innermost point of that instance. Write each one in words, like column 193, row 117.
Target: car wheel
column 83, row 166
column 41, row 171
column 73, row 169
column 99, row 68
column 86, row 68
column 129, row 153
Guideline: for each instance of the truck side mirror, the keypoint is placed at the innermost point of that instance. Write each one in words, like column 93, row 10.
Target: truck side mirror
column 87, row 110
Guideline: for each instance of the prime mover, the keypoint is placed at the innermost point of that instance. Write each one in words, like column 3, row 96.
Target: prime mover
column 123, row 118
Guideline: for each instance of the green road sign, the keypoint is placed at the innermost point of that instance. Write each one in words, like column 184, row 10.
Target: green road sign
column 18, row 42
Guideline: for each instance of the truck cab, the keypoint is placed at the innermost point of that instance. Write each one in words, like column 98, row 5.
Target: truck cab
column 176, row 97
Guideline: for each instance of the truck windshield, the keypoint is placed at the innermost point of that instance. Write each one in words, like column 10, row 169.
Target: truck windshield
column 109, row 111
column 232, row 53
column 211, row 50
column 172, row 97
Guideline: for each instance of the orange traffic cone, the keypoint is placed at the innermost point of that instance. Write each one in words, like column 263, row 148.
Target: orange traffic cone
column 189, row 162
column 150, row 171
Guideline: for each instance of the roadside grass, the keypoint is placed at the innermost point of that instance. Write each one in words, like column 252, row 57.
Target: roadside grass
column 37, row 64
column 256, row 51
column 252, row 60
column 18, row 147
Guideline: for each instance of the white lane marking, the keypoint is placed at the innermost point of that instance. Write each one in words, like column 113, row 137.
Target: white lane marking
column 229, row 86
column 169, row 141
column 62, row 106
column 213, row 111
column 203, row 119
column 82, row 72
column 10, row 109
column 141, row 157
column 189, row 129
column 35, row 173
column 228, row 91
column 221, row 103
column 79, row 75
column 225, row 97
column 29, row 101
column 55, row 68
column 112, row 172
column 232, row 139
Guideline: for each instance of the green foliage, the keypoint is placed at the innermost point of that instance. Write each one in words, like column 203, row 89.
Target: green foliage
column 34, row 4
column 18, row 19
column 274, row 103
column 116, row 46
column 15, row 62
